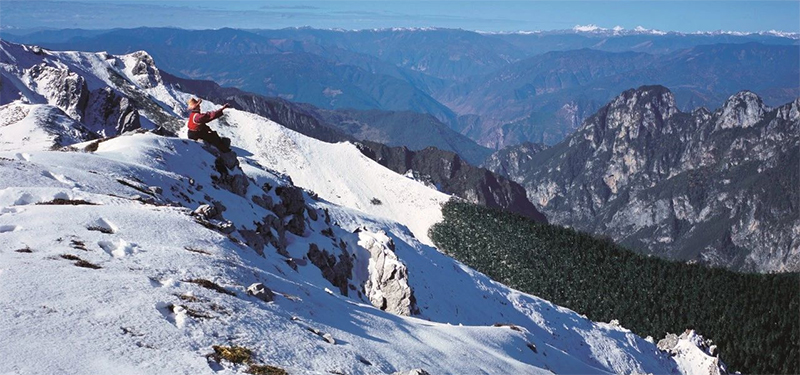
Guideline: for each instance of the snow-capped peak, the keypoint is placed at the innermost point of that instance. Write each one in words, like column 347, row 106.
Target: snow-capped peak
column 590, row 28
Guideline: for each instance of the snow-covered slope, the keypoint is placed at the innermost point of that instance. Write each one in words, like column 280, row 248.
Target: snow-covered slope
column 38, row 127
column 140, row 312
column 103, row 238
column 338, row 172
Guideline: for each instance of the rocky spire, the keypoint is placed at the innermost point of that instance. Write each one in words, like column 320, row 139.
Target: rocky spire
column 743, row 110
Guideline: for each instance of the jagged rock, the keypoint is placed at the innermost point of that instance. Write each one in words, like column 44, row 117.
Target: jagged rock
column 292, row 205
column 231, row 176
column 667, row 343
column 206, row 211
column 145, row 71
column 292, row 199
column 387, row 287
column 128, row 117
column 229, row 160
column 263, row 201
column 338, row 273
column 742, row 110
column 64, row 89
column 109, row 113
column 254, row 240
column 447, row 172
column 236, row 184
column 261, row 292
column 312, row 213
column 225, row 227
column 297, row 225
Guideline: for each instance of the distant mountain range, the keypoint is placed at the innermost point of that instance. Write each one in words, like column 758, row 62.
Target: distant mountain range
column 498, row 89
column 546, row 97
column 719, row 188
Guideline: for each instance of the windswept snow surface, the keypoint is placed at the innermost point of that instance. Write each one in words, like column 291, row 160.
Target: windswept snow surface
column 106, row 287
column 123, row 318
column 338, row 172
column 37, row 127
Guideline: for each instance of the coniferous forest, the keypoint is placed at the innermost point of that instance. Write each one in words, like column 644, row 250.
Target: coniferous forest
column 754, row 319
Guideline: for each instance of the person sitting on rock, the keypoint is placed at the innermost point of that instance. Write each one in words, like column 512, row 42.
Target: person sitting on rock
column 198, row 126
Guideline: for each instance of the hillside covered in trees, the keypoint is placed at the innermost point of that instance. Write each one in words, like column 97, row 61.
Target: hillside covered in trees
column 753, row 318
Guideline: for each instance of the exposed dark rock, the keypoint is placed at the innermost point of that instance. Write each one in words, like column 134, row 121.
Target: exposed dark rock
column 261, row 292
column 338, row 273
column 230, row 176
column 109, row 113
column 263, row 201
column 292, row 205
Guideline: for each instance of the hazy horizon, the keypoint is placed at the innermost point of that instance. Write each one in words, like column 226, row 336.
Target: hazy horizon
column 502, row 16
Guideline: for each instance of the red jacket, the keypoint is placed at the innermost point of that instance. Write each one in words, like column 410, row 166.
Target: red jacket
column 198, row 119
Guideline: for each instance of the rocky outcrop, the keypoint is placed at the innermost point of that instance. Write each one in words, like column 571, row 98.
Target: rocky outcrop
column 62, row 88
column 261, row 292
column 230, row 176
column 693, row 349
column 144, row 70
column 109, row 114
column 448, row 173
column 718, row 188
column 387, row 287
column 337, row 272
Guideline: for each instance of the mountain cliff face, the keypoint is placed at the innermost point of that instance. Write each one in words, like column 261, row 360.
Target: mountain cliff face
column 449, row 174
column 718, row 187
column 95, row 89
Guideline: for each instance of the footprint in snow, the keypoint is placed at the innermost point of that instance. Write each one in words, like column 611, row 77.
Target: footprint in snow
column 118, row 249
column 10, row 210
column 23, row 156
column 176, row 315
column 162, row 283
column 9, row 228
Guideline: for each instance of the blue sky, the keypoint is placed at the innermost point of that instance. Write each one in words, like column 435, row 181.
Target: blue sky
column 687, row 16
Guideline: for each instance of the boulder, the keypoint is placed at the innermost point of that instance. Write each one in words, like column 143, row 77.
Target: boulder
column 387, row 287
column 261, row 292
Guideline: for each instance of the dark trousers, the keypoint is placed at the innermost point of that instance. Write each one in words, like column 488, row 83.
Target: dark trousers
column 211, row 137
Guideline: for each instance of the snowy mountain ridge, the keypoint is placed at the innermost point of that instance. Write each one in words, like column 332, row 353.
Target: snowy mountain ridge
column 593, row 29
column 146, row 247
